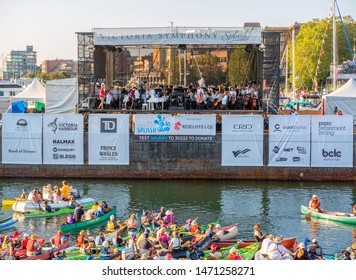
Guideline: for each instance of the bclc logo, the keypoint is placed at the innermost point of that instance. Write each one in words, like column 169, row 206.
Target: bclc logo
column 331, row 154
column 108, row 125
column 236, row 153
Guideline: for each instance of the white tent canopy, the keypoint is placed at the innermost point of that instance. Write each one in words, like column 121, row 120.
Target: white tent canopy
column 343, row 98
column 34, row 92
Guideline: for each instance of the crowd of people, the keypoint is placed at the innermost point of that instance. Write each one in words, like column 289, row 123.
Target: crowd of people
column 192, row 97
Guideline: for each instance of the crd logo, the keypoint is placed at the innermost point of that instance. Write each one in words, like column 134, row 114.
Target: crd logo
column 108, row 125
column 333, row 153
column 242, row 126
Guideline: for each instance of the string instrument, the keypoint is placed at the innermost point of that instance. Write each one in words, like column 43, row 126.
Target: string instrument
column 217, row 102
column 254, row 102
column 247, row 99
column 233, row 99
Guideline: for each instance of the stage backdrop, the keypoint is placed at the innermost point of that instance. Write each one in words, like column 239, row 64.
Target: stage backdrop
column 22, row 139
column 109, row 139
column 289, row 140
column 332, row 141
column 168, row 128
column 242, row 140
column 63, row 139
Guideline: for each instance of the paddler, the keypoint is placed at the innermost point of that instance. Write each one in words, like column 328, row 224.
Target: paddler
column 65, row 190
column 33, row 247
column 314, row 203
column 354, row 210
column 58, row 239
column 24, row 195
column 111, row 223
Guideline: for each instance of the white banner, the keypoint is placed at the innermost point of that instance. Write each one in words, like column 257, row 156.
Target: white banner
column 332, row 141
column 289, row 140
column 63, row 140
column 22, row 139
column 109, row 139
column 242, row 140
column 168, row 128
column 178, row 36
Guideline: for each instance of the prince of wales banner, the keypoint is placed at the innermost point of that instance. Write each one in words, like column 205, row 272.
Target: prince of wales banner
column 109, row 139
column 22, row 139
column 332, row 141
column 168, row 128
column 289, row 140
column 63, row 139
column 242, row 140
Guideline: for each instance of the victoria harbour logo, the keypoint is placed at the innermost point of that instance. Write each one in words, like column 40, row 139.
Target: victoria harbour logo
column 108, row 125
column 277, row 127
column 240, row 152
column 162, row 124
column 53, row 125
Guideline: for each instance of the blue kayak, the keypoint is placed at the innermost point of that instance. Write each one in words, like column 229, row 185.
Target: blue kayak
column 8, row 224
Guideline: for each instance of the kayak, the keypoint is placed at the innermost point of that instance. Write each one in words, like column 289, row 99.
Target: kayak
column 27, row 206
column 247, row 253
column 7, row 203
column 5, row 220
column 8, row 224
column 61, row 211
column 341, row 217
column 47, row 252
column 85, row 224
column 286, row 242
column 231, row 232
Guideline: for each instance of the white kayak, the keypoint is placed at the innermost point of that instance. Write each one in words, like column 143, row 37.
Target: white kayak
column 26, row 206
column 231, row 232
column 259, row 256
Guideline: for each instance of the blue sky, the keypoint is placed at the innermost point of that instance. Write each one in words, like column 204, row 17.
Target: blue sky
column 50, row 25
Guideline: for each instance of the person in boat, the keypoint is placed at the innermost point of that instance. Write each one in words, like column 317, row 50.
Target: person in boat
column 48, row 193
column 111, row 225
column 131, row 251
column 65, row 190
column 146, row 218
column 188, row 224
column 71, row 218
column 169, row 219
column 194, row 227
column 58, row 239
column 350, row 252
column 24, row 240
column 162, row 214
column 46, row 207
column 165, row 239
column 175, row 243
column 146, row 246
column 160, row 231
column 81, row 238
column 33, row 196
column 315, row 251
column 24, row 195
column 72, row 203
column 233, row 255
column 192, row 254
column 117, row 240
column 218, row 232
column 79, row 212
column 314, row 203
column 6, row 242
column 276, row 251
column 74, row 192
column 33, row 248
column 100, row 238
column 132, row 223
column 257, row 233
column 300, row 253
column 87, row 248
column 105, row 250
column 210, row 231
column 214, row 253
column 57, row 195
column 354, row 210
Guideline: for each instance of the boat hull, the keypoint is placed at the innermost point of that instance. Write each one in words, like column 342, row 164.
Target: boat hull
column 8, row 224
column 286, row 242
column 86, row 224
column 25, row 207
column 346, row 218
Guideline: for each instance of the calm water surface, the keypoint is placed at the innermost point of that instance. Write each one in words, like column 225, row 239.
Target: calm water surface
column 274, row 205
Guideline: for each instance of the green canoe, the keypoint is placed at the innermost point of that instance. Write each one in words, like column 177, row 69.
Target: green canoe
column 61, row 211
column 346, row 218
column 247, row 253
column 86, row 224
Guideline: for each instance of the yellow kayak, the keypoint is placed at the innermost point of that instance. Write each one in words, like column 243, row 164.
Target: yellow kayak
column 7, row 203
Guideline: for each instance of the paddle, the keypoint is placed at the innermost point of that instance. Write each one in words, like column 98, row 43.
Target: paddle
column 307, row 216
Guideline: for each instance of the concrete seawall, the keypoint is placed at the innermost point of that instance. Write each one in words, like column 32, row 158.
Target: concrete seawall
column 178, row 161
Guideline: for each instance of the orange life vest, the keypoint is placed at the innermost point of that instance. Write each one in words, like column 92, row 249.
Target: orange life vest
column 193, row 228
column 30, row 247
column 57, row 239
column 315, row 203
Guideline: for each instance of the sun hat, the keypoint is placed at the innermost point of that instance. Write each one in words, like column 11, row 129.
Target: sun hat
column 218, row 226
column 314, row 196
column 301, row 245
column 314, row 240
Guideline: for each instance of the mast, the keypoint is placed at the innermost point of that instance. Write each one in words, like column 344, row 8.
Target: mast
column 293, row 60
column 334, row 46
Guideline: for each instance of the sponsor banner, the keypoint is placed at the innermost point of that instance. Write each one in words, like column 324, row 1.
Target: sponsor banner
column 178, row 35
column 332, row 141
column 109, row 139
column 22, row 139
column 63, row 139
column 242, row 140
column 289, row 140
column 168, row 128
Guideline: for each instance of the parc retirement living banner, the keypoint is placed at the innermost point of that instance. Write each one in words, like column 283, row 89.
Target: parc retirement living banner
column 63, row 139
column 109, row 139
column 22, row 139
column 180, row 128
column 332, row 141
column 242, row 140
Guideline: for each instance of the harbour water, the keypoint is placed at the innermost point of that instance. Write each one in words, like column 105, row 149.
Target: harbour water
column 274, row 205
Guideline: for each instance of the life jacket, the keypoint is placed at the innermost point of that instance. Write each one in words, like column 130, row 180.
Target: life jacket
column 193, row 228
column 24, row 243
column 57, row 239
column 110, row 225
column 315, row 203
column 80, row 241
column 30, row 247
